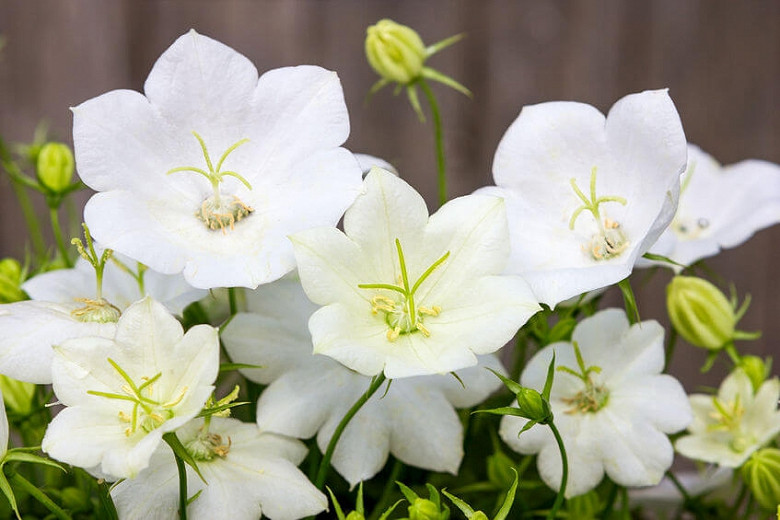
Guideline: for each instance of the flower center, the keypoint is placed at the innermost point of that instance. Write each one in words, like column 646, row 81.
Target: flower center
column 609, row 241
column 206, row 446
column 727, row 417
column 97, row 311
column 216, row 212
column 593, row 397
column 146, row 413
column 402, row 314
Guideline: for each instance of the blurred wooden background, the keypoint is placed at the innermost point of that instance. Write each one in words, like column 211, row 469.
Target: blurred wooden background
column 719, row 58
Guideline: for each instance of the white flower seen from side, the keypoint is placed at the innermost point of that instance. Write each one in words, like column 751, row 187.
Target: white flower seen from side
column 586, row 195
column 720, row 207
column 415, row 420
column 409, row 295
column 249, row 473
column 64, row 305
column 123, row 393
column 210, row 170
column 728, row 427
column 611, row 404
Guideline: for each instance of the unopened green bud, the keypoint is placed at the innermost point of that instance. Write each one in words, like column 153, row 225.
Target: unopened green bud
column 534, row 405
column 55, row 166
column 424, row 509
column 396, row 52
column 700, row 312
column 354, row 515
column 756, row 369
column 18, row 395
column 11, row 278
column 761, row 473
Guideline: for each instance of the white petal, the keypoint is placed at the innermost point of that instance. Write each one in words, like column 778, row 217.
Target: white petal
column 367, row 162
column 659, row 399
column 478, row 383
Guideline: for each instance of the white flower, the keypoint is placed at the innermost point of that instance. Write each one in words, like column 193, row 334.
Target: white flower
column 729, row 427
column 409, row 295
column 613, row 420
column 249, row 473
column 586, row 196
column 367, row 162
column 720, row 207
column 415, row 421
column 210, row 171
column 123, row 394
column 56, row 312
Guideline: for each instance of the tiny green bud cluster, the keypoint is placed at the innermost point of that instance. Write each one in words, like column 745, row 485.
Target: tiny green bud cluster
column 429, row 508
column 761, row 473
column 757, row 369
column 55, row 167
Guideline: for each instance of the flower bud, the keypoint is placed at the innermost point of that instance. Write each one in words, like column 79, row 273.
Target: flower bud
column 424, row 509
column 396, row 52
column 761, row 473
column 756, row 369
column 700, row 312
column 55, row 166
column 535, row 407
column 11, row 281
column 18, row 395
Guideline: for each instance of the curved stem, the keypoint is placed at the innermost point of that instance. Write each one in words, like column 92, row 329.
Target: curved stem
column 182, row 486
column 54, row 217
column 439, row 137
column 322, row 473
column 684, row 492
column 38, row 495
column 564, row 476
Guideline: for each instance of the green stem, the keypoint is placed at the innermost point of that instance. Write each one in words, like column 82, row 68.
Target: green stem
column 387, row 491
column 439, row 137
column 105, row 500
column 564, row 475
column 670, row 344
column 31, row 219
column 54, row 217
column 610, row 503
column 322, row 473
column 232, row 301
column 38, row 495
column 684, row 492
column 182, row 486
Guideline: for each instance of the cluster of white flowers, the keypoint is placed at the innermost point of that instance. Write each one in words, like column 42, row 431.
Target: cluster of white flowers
column 218, row 178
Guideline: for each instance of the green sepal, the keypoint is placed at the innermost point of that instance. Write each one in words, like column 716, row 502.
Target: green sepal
column 513, row 386
column 410, row 495
column 376, row 87
column 443, row 44
column 530, row 424
column 390, row 510
column 226, row 367
column 510, row 498
column 711, row 357
column 505, row 410
column 435, row 75
column 549, row 381
column 193, row 497
column 433, row 495
column 336, row 506
column 661, row 258
column 466, row 509
column 746, row 336
column 180, row 451
column 414, row 100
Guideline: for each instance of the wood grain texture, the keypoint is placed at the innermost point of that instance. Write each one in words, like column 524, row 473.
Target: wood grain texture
column 719, row 58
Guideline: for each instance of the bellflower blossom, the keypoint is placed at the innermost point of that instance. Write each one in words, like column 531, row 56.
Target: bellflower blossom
column 612, row 406
column 123, row 393
column 307, row 395
column 720, row 207
column 211, row 169
column 586, row 195
column 407, row 295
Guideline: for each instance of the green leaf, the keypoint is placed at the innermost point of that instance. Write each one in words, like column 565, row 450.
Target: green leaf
column 414, row 100
column 226, row 367
column 509, row 500
column 9, row 494
column 21, row 456
column 530, row 424
column 194, row 497
column 389, row 510
column 178, row 448
column 336, row 506
column 505, row 410
column 630, row 302
column 466, row 509
column 410, row 495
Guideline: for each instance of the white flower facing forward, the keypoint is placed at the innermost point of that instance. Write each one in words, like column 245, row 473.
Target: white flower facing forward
column 307, row 395
column 729, row 427
column 720, row 207
column 122, row 394
column 250, row 474
column 210, row 171
column 587, row 195
column 612, row 406
column 407, row 295
column 59, row 310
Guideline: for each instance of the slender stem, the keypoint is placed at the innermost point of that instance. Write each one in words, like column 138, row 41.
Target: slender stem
column 105, row 500
column 39, row 495
column 54, row 217
column 670, row 344
column 232, row 301
column 30, row 218
column 610, row 504
column 322, row 473
column 684, row 492
column 564, row 475
column 387, row 491
column 439, row 137
column 182, row 486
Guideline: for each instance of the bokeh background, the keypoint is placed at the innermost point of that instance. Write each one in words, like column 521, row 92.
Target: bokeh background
column 720, row 60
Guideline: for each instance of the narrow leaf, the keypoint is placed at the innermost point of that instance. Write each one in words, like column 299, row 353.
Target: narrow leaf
column 630, row 302
column 178, row 448
column 513, row 386
column 549, row 381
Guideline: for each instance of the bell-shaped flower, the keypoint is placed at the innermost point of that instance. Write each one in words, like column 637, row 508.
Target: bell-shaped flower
column 248, row 474
column 720, row 207
column 612, row 406
column 306, row 395
column 728, row 427
column 64, row 306
column 211, row 169
column 123, row 393
column 588, row 195
column 407, row 295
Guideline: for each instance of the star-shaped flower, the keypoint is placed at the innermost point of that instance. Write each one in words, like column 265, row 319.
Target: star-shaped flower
column 611, row 405
column 307, row 395
column 588, row 195
column 407, row 295
column 61, row 306
column 727, row 428
column 250, row 472
column 210, row 171
column 720, row 207
column 122, row 394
